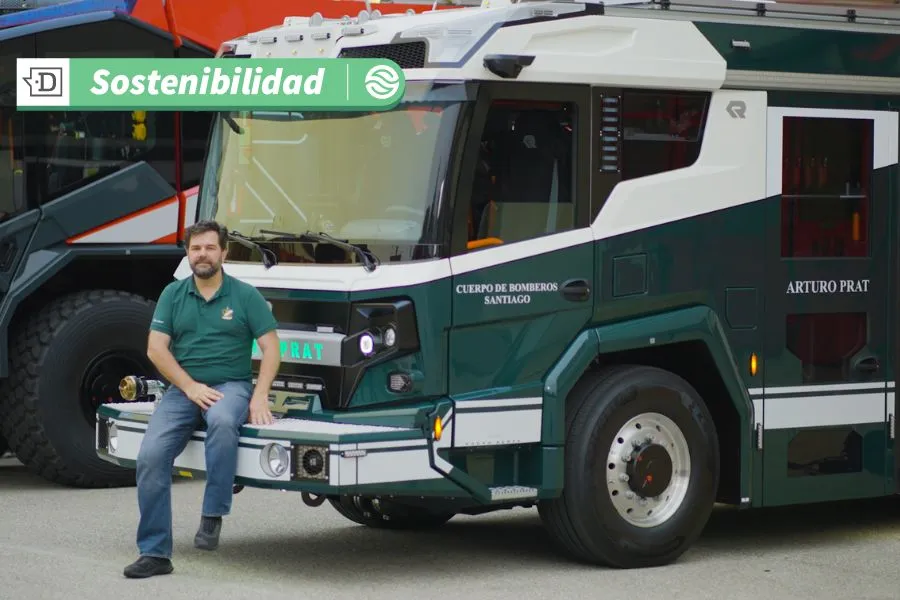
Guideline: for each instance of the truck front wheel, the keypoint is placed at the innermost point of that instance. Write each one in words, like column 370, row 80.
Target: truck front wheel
column 66, row 360
column 641, row 469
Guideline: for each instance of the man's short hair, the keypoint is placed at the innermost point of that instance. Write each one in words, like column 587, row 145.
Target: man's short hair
column 203, row 227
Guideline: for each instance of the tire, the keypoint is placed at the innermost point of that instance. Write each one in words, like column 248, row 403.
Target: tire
column 384, row 514
column 66, row 360
column 3, row 447
column 584, row 521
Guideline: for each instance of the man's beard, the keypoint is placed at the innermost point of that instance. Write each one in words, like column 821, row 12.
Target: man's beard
column 210, row 269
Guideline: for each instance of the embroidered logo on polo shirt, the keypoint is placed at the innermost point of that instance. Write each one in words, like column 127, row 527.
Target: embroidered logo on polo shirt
column 227, row 314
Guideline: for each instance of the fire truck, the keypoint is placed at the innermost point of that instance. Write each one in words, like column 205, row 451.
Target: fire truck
column 92, row 210
column 616, row 260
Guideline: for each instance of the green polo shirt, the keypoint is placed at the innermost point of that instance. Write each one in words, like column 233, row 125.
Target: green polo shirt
column 213, row 339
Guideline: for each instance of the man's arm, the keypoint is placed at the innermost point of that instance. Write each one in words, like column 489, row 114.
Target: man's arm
column 269, row 344
column 263, row 327
column 163, row 359
column 161, row 329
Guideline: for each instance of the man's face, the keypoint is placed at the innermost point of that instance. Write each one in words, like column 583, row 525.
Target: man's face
column 205, row 254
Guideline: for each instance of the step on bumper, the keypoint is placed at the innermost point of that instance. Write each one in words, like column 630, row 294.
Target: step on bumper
column 304, row 454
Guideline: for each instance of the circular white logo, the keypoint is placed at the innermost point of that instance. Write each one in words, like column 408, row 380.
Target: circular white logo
column 382, row 82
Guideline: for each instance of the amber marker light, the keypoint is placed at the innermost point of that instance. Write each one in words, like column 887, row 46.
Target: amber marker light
column 754, row 364
column 438, row 429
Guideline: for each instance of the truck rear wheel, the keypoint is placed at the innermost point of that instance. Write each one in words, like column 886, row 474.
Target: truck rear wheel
column 66, row 360
column 385, row 514
column 641, row 470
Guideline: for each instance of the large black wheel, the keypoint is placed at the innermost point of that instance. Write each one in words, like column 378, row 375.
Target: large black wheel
column 641, row 469
column 65, row 361
column 385, row 514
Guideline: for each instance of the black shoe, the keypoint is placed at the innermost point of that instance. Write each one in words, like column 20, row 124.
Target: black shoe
column 148, row 566
column 207, row 537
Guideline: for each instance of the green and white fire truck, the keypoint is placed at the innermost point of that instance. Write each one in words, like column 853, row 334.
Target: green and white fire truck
column 619, row 261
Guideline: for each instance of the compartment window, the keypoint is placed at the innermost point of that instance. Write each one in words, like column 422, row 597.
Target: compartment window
column 826, row 182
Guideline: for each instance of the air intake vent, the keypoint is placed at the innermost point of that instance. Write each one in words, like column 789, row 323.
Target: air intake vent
column 610, row 135
column 409, row 55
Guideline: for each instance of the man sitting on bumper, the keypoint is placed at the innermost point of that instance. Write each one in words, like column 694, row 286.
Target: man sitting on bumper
column 201, row 340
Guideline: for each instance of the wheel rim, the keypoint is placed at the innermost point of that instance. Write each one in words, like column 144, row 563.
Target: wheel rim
column 100, row 384
column 648, row 469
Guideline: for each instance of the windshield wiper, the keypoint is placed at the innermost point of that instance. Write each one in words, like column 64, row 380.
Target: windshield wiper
column 232, row 123
column 268, row 257
column 368, row 258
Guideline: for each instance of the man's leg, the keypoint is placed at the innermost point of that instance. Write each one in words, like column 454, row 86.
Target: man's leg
column 223, row 423
column 167, row 434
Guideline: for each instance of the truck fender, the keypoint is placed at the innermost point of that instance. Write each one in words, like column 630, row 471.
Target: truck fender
column 698, row 323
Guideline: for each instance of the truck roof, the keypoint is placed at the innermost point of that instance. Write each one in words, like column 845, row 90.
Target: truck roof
column 667, row 44
column 192, row 20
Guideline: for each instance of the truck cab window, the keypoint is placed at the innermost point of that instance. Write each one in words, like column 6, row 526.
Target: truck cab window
column 12, row 143
column 73, row 148
column 524, row 176
column 77, row 146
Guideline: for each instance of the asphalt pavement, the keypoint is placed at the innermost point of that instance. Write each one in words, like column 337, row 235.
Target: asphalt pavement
column 60, row 543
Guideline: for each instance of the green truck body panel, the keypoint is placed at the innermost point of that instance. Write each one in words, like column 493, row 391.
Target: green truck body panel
column 789, row 49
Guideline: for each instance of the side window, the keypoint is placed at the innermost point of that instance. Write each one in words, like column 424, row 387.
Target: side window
column 74, row 148
column 661, row 131
column 12, row 142
column 826, row 169
column 524, row 181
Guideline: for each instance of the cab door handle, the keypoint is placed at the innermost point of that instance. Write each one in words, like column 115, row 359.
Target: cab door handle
column 868, row 365
column 576, row 290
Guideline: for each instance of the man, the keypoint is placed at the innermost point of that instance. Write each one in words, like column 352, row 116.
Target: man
column 210, row 321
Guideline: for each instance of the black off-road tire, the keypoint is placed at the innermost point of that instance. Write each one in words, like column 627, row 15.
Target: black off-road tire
column 47, row 407
column 583, row 521
column 384, row 514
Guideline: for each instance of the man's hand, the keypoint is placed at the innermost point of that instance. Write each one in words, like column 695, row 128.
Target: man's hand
column 259, row 410
column 202, row 395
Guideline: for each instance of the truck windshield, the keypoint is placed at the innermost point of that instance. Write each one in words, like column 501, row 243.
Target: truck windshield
column 373, row 179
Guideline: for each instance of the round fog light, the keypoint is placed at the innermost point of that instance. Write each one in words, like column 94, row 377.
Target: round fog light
column 390, row 337
column 274, row 460
column 366, row 344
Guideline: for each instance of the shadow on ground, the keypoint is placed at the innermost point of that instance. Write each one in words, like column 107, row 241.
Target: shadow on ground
column 515, row 541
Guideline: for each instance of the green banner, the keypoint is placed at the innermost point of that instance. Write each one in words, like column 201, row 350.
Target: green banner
column 208, row 84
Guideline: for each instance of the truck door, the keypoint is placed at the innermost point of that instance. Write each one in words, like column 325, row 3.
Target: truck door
column 523, row 273
column 826, row 354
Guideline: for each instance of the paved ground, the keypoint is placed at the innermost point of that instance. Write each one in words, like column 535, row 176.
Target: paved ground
column 72, row 544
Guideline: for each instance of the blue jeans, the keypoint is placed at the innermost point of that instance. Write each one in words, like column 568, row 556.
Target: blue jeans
column 168, row 432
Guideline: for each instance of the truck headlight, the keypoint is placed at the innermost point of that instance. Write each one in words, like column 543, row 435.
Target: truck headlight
column 366, row 344
column 274, row 460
